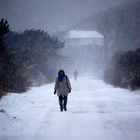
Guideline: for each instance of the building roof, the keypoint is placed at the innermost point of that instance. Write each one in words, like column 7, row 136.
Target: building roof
column 83, row 34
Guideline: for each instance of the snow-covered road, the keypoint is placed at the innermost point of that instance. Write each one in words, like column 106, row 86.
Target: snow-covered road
column 96, row 111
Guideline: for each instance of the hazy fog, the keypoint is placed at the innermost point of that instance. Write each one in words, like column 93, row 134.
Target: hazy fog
column 57, row 16
column 51, row 15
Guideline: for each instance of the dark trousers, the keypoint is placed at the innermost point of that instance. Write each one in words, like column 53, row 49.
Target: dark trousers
column 63, row 101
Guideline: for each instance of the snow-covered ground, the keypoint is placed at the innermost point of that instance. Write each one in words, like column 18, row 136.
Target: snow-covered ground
column 96, row 111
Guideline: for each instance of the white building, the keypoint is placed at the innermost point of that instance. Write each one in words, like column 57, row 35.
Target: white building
column 78, row 37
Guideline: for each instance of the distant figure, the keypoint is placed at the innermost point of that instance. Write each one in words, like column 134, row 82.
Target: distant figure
column 75, row 73
column 62, row 88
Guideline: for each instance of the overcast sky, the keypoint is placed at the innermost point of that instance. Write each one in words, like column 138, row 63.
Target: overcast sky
column 50, row 15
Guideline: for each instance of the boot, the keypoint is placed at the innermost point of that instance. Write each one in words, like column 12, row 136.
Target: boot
column 61, row 108
column 65, row 108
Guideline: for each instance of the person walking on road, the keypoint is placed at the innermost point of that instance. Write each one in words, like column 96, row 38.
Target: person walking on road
column 62, row 88
column 75, row 73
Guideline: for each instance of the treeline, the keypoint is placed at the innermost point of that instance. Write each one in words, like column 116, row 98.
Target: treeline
column 120, row 27
column 27, row 58
column 121, row 30
column 125, row 70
